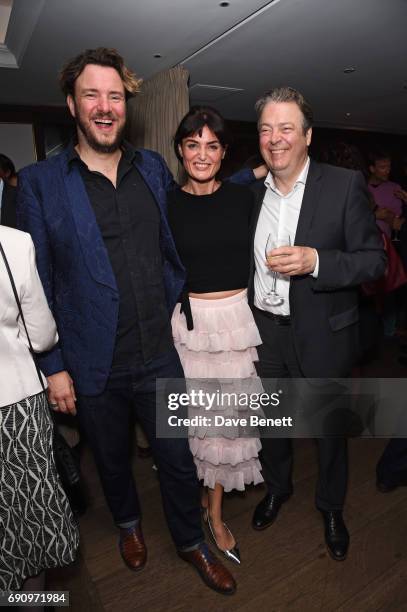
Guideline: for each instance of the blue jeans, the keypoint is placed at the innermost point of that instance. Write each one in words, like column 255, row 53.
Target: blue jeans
column 106, row 420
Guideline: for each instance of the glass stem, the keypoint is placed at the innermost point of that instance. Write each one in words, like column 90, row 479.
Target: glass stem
column 273, row 287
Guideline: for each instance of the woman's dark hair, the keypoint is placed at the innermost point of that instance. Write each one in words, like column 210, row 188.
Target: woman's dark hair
column 6, row 165
column 194, row 122
column 345, row 155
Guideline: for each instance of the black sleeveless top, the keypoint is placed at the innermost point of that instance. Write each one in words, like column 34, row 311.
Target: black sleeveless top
column 211, row 234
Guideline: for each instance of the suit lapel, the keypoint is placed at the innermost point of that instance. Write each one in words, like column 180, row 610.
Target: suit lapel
column 259, row 189
column 90, row 238
column 308, row 206
column 309, row 203
column 152, row 178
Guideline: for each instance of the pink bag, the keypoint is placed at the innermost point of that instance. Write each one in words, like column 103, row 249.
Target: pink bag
column 395, row 275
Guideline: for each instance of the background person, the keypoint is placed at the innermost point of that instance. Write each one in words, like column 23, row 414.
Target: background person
column 8, row 192
column 386, row 193
column 389, row 216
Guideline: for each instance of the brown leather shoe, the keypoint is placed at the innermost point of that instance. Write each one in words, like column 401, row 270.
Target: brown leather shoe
column 132, row 548
column 213, row 573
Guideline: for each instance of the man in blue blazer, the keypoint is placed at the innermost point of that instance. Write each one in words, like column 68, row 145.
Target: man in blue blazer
column 106, row 257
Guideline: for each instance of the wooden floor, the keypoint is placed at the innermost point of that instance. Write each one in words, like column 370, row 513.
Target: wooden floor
column 283, row 568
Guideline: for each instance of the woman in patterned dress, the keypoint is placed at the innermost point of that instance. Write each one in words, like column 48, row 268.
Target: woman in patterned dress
column 37, row 529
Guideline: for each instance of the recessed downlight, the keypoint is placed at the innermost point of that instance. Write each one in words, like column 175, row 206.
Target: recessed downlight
column 347, row 114
column 349, row 69
column 224, row 4
column 157, row 55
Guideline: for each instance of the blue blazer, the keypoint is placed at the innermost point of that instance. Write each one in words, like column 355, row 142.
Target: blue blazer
column 53, row 206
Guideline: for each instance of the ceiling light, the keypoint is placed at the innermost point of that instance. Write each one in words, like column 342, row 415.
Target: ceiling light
column 224, row 4
column 157, row 55
column 347, row 114
column 349, row 70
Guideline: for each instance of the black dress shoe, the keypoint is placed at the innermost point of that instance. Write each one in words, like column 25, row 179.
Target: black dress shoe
column 336, row 534
column 385, row 487
column 267, row 510
column 390, row 485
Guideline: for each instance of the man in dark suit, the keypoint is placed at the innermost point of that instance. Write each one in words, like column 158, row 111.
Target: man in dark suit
column 8, row 189
column 309, row 324
column 111, row 274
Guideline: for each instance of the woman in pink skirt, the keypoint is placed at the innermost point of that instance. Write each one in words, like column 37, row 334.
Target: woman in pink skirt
column 214, row 330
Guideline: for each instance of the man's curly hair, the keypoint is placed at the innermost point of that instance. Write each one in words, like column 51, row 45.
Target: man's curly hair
column 101, row 56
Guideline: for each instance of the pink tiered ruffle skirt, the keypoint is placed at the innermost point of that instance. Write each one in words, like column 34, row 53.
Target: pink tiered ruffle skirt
column 222, row 345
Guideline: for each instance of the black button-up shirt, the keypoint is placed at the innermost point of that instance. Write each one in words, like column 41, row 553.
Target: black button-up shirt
column 129, row 220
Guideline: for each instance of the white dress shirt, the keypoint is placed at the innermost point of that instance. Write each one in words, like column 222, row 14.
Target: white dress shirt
column 278, row 216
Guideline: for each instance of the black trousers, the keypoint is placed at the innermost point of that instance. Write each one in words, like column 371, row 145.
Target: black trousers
column 107, row 422
column 278, row 359
column 392, row 466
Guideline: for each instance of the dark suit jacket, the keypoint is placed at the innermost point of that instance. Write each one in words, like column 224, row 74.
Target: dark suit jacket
column 53, row 206
column 8, row 206
column 335, row 219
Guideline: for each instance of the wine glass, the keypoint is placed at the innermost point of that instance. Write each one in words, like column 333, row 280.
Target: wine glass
column 395, row 235
column 273, row 298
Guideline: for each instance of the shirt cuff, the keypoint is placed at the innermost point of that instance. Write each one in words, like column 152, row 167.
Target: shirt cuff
column 316, row 269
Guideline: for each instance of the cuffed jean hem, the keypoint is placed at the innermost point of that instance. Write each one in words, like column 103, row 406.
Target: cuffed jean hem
column 127, row 524
column 190, row 547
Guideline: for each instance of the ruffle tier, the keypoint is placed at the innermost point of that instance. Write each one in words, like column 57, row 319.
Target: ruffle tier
column 225, row 451
column 219, row 325
column 225, row 364
column 230, row 477
column 221, row 346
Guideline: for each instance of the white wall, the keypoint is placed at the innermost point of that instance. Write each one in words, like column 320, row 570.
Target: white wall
column 5, row 12
column 17, row 142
